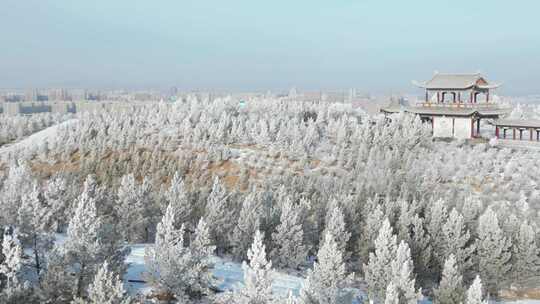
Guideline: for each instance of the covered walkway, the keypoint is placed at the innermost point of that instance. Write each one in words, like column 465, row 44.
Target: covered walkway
column 517, row 129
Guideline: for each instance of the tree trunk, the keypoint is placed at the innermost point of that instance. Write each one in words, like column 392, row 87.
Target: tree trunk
column 38, row 262
column 79, row 281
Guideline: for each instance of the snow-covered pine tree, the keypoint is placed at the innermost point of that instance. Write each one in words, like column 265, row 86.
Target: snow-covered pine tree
column 219, row 215
column 378, row 271
column 373, row 219
column 420, row 248
column 288, row 239
column 175, row 270
column 107, row 288
column 457, row 241
column 411, row 230
column 257, row 276
column 18, row 182
column 450, row 290
column 248, row 223
column 85, row 250
column 83, row 241
column 335, row 224
column 392, row 295
column 201, row 251
column 166, row 261
column 177, row 196
column 36, row 226
column 325, row 282
column 525, row 255
column 474, row 293
column 13, row 289
column 493, row 250
column 56, row 196
column 403, row 275
column 202, row 244
column 437, row 217
column 129, row 209
column 57, row 284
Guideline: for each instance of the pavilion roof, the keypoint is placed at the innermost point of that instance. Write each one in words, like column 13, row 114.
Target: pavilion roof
column 448, row 111
column 443, row 81
column 455, row 111
column 518, row 123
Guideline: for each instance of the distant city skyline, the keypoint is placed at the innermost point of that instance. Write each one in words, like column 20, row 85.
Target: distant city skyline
column 374, row 46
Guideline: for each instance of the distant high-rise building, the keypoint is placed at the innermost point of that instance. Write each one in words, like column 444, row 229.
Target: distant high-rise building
column 31, row 95
column 173, row 91
column 352, row 94
column 293, row 92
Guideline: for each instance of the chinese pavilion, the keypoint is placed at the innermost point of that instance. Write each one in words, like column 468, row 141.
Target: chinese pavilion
column 455, row 104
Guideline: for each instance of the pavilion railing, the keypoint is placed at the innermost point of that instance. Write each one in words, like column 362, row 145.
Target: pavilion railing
column 455, row 105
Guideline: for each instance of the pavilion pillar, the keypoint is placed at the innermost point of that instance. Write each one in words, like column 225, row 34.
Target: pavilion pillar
column 478, row 127
column 530, row 133
column 459, row 97
column 472, row 127
column 504, row 133
column 487, row 96
column 497, row 132
column 513, row 133
column 438, row 96
column 427, row 96
column 537, row 135
column 520, row 134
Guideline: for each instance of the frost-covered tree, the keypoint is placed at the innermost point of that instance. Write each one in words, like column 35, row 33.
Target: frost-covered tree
column 257, row 276
column 107, row 288
column 437, row 217
column 56, row 196
column 411, row 229
column 175, row 270
column 202, row 249
column 17, row 183
column 166, row 261
column 403, row 275
column 392, row 295
column 325, row 282
column 474, row 293
column 493, row 249
column 378, row 271
column 220, row 215
column 450, row 289
column 36, row 226
column 525, row 254
column 130, row 209
column 177, row 197
column 57, row 284
column 374, row 217
column 457, row 241
column 13, row 289
column 85, row 249
column 288, row 239
column 248, row 223
column 420, row 247
column 335, row 224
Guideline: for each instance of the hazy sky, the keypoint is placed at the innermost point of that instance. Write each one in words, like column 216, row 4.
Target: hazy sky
column 376, row 46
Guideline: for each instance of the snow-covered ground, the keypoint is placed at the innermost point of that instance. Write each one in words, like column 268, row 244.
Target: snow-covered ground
column 230, row 277
column 37, row 138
